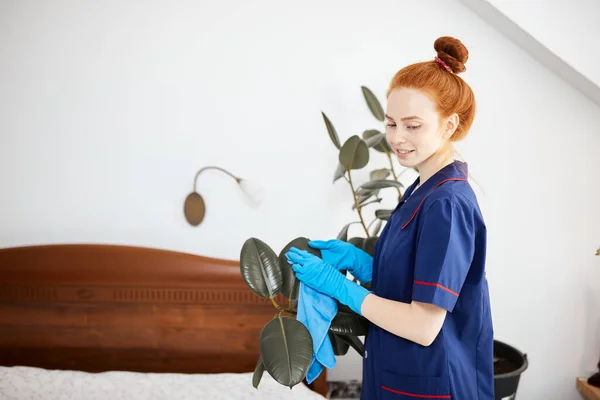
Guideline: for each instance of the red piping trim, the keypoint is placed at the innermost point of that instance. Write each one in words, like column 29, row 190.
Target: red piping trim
column 436, row 285
column 421, row 396
column 419, row 206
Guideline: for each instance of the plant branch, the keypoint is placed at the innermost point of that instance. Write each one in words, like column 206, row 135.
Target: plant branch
column 280, row 308
column 358, row 207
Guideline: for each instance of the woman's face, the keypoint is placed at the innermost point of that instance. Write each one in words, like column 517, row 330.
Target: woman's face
column 414, row 129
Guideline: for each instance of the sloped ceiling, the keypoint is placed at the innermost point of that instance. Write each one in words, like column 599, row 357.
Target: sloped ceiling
column 557, row 42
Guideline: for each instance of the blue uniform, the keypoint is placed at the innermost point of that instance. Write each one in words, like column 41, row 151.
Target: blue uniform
column 433, row 250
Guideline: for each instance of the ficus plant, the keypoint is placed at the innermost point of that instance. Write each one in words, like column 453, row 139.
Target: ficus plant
column 286, row 347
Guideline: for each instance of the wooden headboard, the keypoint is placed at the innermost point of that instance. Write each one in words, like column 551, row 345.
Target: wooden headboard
column 93, row 307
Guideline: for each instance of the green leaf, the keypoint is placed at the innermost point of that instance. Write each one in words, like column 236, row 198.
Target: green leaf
column 379, row 174
column 363, row 203
column 373, row 103
column 286, row 350
column 380, row 184
column 349, row 323
column 377, row 227
column 362, row 192
column 260, row 268
column 331, row 130
column 357, row 241
column 343, row 235
column 355, row 343
column 354, row 154
column 291, row 285
column 258, row 373
column 339, row 172
column 374, row 140
column 383, row 214
column 340, row 348
column 368, row 245
column 383, row 146
column 361, row 198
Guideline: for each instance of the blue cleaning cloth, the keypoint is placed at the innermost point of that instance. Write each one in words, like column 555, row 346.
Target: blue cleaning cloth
column 316, row 311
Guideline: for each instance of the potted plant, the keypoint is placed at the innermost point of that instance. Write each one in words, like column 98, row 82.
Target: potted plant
column 285, row 344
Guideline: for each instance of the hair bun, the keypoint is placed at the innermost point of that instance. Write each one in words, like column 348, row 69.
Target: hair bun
column 451, row 51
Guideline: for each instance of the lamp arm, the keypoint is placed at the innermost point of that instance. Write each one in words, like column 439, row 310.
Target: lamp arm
column 238, row 180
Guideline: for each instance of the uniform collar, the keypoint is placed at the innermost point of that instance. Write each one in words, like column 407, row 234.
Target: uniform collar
column 455, row 171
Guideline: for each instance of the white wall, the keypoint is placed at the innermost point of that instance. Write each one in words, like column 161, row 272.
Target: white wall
column 107, row 109
column 568, row 28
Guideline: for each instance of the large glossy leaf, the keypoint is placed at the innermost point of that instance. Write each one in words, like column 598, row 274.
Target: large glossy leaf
column 286, row 350
column 349, row 323
column 258, row 373
column 368, row 245
column 380, row 184
column 383, row 146
column 331, row 130
column 260, row 268
column 373, row 103
column 356, row 241
column 340, row 348
column 355, row 343
column 291, row 285
column 343, row 235
column 354, row 154
column 379, row 174
column 339, row 172
column 383, row 214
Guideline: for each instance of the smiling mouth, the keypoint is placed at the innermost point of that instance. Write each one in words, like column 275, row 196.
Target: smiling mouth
column 404, row 152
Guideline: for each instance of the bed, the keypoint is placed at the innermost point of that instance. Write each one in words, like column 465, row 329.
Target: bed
column 101, row 321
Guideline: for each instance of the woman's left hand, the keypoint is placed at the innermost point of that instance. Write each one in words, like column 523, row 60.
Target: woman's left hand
column 326, row 279
column 315, row 272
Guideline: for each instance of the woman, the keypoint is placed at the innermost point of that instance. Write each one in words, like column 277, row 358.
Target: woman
column 431, row 333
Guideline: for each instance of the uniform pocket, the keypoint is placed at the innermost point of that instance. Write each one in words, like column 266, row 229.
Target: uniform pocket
column 397, row 387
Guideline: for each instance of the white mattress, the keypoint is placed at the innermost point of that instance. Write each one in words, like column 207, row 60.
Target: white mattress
column 25, row 383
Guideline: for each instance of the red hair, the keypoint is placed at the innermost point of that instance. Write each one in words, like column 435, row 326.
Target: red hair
column 450, row 92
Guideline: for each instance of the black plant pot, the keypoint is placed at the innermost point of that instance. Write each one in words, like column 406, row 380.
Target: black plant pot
column 594, row 380
column 510, row 364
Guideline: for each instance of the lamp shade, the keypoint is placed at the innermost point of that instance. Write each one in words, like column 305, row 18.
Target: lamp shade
column 194, row 209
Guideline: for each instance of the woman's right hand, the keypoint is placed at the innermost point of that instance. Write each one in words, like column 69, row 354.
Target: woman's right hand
column 345, row 256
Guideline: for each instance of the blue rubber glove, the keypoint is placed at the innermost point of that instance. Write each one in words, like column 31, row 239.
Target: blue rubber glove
column 343, row 255
column 323, row 277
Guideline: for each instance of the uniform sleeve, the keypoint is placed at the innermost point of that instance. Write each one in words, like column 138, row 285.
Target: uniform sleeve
column 445, row 249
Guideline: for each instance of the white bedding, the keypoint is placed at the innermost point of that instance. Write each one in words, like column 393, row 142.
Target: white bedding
column 25, row 383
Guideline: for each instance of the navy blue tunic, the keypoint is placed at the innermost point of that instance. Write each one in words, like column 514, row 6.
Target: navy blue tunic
column 433, row 250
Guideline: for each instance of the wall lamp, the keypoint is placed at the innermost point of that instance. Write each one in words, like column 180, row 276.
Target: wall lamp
column 194, row 207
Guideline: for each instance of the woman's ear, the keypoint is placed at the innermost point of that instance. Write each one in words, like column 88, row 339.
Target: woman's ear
column 450, row 125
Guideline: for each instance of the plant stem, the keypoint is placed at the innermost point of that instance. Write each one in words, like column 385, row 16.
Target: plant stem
column 393, row 171
column 280, row 308
column 371, row 223
column 358, row 208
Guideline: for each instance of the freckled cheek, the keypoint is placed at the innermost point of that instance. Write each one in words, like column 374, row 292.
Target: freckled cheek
column 389, row 136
